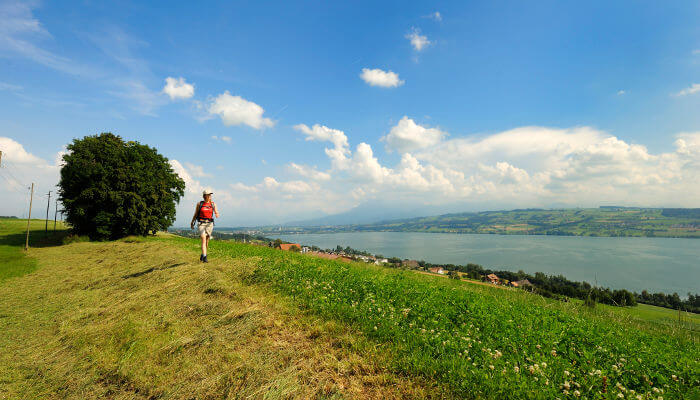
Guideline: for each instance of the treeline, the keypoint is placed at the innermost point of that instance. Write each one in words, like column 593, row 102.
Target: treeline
column 552, row 286
column 674, row 301
column 690, row 213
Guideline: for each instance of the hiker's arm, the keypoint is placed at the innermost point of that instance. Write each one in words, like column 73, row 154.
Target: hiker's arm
column 194, row 217
column 216, row 212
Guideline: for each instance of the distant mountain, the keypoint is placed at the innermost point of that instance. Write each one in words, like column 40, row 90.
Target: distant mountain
column 603, row 221
column 370, row 213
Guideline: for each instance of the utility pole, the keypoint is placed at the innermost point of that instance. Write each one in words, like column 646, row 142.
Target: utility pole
column 48, row 203
column 55, row 214
column 29, row 218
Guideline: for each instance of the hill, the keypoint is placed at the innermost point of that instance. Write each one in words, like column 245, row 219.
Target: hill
column 603, row 221
column 139, row 318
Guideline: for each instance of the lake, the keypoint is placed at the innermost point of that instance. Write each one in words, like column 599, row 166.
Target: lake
column 655, row 264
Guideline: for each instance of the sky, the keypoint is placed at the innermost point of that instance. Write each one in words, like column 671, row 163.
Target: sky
column 295, row 110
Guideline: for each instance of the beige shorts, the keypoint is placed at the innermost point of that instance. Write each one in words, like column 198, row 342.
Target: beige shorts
column 205, row 227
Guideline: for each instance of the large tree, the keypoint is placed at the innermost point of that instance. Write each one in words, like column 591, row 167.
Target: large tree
column 111, row 188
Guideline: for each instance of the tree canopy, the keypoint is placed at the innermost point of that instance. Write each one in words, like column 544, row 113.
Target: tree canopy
column 110, row 188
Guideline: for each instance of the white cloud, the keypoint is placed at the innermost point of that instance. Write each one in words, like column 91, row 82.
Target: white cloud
column 21, row 168
column 621, row 92
column 418, row 41
column 178, row 89
column 694, row 88
column 696, row 51
column 436, row 16
column 14, row 152
column 235, row 110
column 309, row 172
column 340, row 151
column 271, row 185
column 522, row 167
column 377, row 77
column 197, row 170
column 225, row 139
column 192, row 185
column 408, row 136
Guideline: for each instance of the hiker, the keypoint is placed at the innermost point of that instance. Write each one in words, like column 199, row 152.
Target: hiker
column 204, row 214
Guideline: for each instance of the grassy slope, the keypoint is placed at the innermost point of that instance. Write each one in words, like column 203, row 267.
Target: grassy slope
column 144, row 320
column 140, row 319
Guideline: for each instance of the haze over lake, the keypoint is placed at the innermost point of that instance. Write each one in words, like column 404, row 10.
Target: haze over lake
column 654, row 264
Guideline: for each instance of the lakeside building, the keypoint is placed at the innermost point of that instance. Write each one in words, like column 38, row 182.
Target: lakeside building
column 492, row 278
column 521, row 283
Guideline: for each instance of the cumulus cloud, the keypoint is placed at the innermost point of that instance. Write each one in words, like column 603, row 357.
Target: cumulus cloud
column 178, row 89
column 235, row 110
column 14, row 152
column 408, row 136
column 621, row 92
column 528, row 166
column 192, row 185
column 418, row 41
column 197, row 170
column 21, row 168
column 378, row 77
column 340, row 151
column 694, row 88
column 309, row 172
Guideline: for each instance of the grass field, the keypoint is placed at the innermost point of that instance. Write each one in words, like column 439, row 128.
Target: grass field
column 140, row 318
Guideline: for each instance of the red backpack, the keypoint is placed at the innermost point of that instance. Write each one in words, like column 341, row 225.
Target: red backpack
column 206, row 211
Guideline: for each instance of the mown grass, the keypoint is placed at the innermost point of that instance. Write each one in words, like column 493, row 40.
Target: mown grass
column 142, row 318
column 139, row 319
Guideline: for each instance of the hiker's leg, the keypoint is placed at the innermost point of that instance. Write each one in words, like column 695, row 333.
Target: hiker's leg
column 208, row 237
column 205, row 243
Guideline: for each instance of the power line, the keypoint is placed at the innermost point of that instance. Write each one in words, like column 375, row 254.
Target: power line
column 12, row 183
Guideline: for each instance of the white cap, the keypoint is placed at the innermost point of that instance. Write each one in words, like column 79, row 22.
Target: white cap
column 206, row 192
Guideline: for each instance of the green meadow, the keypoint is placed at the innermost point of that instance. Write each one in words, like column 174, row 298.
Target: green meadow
column 141, row 318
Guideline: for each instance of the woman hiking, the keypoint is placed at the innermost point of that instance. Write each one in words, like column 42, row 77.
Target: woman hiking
column 204, row 214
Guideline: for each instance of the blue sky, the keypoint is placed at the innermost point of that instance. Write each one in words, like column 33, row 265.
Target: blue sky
column 464, row 105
